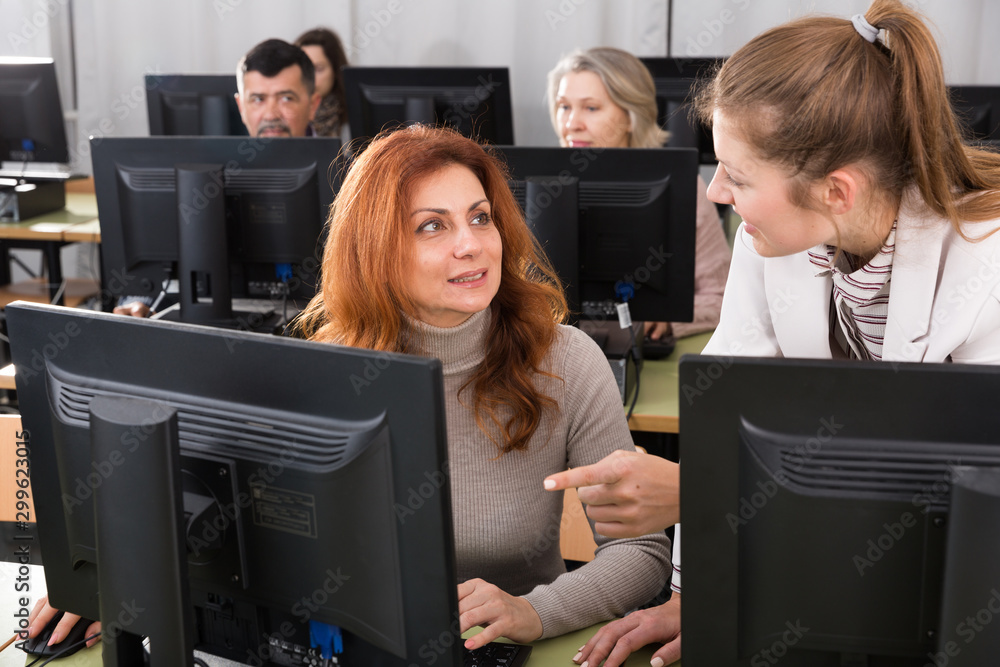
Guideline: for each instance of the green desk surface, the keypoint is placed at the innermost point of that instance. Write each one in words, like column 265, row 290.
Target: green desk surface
column 560, row 650
column 544, row 653
column 658, row 406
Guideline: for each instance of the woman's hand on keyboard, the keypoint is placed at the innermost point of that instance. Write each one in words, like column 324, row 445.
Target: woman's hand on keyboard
column 500, row 614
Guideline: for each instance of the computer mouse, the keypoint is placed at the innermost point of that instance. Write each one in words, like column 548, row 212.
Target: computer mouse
column 658, row 349
column 73, row 642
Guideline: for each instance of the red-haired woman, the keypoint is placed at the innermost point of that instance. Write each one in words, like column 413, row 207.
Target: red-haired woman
column 428, row 253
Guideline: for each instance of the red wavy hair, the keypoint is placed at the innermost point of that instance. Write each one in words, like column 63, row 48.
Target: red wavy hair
column 363, row 299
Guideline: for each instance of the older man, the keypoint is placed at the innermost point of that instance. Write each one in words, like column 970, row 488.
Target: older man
column 277, row 98
column 277, row 90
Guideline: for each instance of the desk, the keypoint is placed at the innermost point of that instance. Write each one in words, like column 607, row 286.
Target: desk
column 544, row 653
column 76, row 223
column 81, row 208
column 560, row 650
column 658, row 406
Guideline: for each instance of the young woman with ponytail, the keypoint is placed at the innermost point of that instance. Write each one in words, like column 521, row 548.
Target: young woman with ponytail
column 869, row 224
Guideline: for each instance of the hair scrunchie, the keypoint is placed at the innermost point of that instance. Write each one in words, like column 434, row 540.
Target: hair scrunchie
column 864, row 28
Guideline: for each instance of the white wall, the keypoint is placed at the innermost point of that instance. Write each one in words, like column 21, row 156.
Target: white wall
column 125, row 40
column 117, row 41
column 104, row 47
column 967, row 31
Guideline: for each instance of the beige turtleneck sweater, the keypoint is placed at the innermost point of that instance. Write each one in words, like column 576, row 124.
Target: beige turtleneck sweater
column 506, row 525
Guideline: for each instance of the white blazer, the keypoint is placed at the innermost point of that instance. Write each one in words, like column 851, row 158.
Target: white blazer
column 944, row 297
column 944, row 301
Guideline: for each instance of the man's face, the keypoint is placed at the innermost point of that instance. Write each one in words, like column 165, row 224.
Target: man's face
column 277, row 106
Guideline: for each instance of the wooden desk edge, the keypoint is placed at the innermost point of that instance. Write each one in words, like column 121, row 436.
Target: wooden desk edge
column 655, row 423
column 81, row 185
column 66, row 232
column 81, row 237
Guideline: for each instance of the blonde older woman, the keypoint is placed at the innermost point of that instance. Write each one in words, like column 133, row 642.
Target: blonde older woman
column 605, row 98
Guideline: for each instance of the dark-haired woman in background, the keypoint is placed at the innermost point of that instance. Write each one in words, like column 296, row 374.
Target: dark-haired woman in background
column 327, row 54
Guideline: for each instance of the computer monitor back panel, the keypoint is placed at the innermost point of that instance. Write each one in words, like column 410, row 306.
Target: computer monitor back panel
column 815, row 505
column 311, row 453
column 978, row 108
column 474, row 100
column 193, row 105
column 675, row 79
column 277, row 194
column 32, row 128
column 634, row 224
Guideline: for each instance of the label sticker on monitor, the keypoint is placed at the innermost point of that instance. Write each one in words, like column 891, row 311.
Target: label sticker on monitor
column 267, row 213
column 281, row 509
column 624, row 315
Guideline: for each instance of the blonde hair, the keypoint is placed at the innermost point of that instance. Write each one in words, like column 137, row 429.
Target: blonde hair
column 814, row 96
column 629, row 85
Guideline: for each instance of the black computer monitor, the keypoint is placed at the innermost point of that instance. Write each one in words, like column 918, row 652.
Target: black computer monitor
column 978, row 107
column 32, row 128
column 674, row 79
column 34, row 154
column 825, row 507
column 193, row 105
column 313, row 485
column 473, row 100
column 617, row 224
column 225, row 216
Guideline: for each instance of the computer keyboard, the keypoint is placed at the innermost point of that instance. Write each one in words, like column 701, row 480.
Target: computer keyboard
column 496, row 654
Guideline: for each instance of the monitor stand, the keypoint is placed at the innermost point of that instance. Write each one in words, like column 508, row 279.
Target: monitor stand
column 420, row 109
column 616, row 343
column 142, row 562
column 203, row 258
column 205, row 294
column 971, row 569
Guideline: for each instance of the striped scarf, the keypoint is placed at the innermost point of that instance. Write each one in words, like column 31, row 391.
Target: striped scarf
column 860, row 298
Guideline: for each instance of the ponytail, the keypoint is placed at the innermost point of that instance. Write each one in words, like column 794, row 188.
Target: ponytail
column 935, row 145
column 830, row 98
